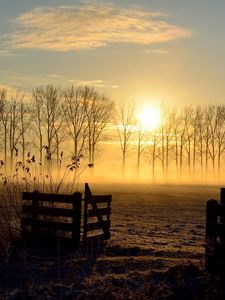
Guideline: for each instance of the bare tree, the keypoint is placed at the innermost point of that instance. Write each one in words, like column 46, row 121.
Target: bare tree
column 14, row 129
column 209, row 114
column 59, row 129
column 162, row 131
column 171, row 123
column 213, row 130
column 48, row 119
column 98, row 109
column 76, row 117
column 198, row 138
column 51, row 115
column 124, row 123
column 37, row 116
column 24, row 125
column 188, row 113
column 220, row 135
column 142, row 139
column 176, row 121
column 155, row 148
column 4, row 119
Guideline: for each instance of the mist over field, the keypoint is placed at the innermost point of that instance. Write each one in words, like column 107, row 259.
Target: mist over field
column 58, row 132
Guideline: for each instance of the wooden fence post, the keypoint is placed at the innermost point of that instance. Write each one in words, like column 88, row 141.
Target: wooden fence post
column 76, row 218
column 211, row 235
column 222, row 217
column 87, row 195
column 35, row 204
column 222, row 195
column 107, row 233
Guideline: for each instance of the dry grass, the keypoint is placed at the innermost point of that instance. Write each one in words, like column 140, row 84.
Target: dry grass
column 156, row 252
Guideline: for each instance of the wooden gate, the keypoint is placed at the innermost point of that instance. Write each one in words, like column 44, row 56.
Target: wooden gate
column 59, row 216
column 97, row 210
column 51, row 215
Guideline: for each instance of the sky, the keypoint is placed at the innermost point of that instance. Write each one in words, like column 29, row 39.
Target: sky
column 144, row 51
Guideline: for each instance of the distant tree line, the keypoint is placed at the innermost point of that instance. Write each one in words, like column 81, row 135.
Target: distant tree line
column 49, row 120
column 189, row 140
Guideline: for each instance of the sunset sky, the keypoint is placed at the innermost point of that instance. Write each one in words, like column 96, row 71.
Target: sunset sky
column 146, row 50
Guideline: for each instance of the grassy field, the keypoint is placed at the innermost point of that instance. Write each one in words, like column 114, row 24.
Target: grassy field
column 156, row 251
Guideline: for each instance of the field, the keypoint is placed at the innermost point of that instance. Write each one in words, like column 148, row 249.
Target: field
column 156, row 251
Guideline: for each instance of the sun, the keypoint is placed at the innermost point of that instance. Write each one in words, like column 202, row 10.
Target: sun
column 149, row 118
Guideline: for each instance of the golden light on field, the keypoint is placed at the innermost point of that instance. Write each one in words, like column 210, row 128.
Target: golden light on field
column 149, row 118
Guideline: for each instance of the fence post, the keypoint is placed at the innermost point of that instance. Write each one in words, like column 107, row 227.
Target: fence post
column 222, row 195
column 35, row 204
column 87, row 195
column 211, row 235
column 76, row 218
column 107, row 233
column 222, row 217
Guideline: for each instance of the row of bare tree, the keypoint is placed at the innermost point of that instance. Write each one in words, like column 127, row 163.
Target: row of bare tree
column 50, row 118
column 188, row 139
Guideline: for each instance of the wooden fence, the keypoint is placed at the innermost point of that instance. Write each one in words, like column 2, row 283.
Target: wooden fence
column 54, row 215
column 215, row 234
column 99, row 228
column 66, row 216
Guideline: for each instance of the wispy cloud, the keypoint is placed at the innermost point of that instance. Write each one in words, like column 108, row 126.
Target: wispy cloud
column 13, row 90
column 96, row 83
column 157, row 51
column 65, row 28
column 4, row 86
column 53, row 75
column 5, row 52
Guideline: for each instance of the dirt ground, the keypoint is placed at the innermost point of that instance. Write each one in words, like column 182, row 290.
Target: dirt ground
column 156, row 251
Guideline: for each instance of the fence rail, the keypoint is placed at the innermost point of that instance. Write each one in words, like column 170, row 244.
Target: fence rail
column 102, row 214
column 60, row 215
column 62, row 198
column 40, row 216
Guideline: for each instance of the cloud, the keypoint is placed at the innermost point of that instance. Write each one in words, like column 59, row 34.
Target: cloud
column 64, row 28
column 96, row 83
column 4, row 86
column 157, row 51
column 4, row 46
column 4, row 52
column 53, row 75
column 14, row 90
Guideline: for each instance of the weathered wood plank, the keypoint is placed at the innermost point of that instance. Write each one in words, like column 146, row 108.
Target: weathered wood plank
column 222, row 195
column 99, row 211
column 87, row 198
column 104, row 225
column 222, row 215
column 220, row 250
column 215, row 234
column 101, row 224
column 215, row 227
column 211, row 234
column 47, row 211
column 76, row 223
column 100, row 199
column 63, row 198
column 47, row 224
column 215, row 210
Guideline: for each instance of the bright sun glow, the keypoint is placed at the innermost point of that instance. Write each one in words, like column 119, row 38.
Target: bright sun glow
column 149, row 118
